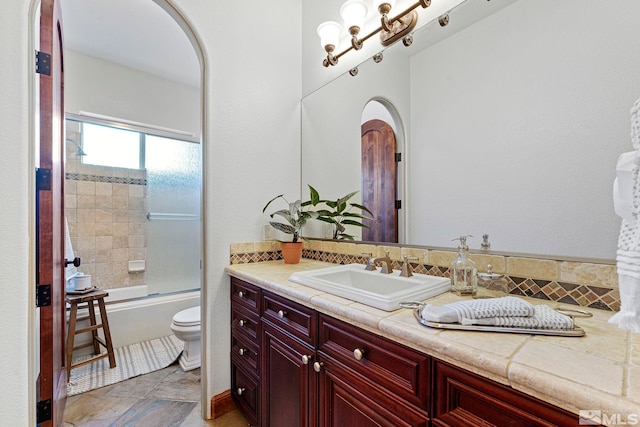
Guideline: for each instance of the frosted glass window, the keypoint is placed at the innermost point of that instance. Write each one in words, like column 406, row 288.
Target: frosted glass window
column 109, row 146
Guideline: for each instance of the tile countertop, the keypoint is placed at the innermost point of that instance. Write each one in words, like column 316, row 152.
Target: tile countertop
column 600, row 371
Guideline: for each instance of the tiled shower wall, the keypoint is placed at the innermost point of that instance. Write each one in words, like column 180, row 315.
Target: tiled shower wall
column 588, row 284
column 105, row 211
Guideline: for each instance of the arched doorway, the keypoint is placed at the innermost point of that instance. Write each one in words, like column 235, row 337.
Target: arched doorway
column 380, row 157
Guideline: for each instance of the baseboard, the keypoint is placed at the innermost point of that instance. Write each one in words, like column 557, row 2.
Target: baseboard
column 221, row 404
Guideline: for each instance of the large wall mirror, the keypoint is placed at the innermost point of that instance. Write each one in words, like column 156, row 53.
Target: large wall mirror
column 512, row 125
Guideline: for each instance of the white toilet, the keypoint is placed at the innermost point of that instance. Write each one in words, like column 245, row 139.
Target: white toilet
column 186, row 327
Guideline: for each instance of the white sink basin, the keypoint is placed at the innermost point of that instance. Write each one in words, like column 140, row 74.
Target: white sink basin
column 383, row 291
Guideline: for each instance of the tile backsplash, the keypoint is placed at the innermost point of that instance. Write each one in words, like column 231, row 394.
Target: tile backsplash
column 586, row 284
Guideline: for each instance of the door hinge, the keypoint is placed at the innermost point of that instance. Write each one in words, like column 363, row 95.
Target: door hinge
column 43, row 295
column 43, row 411
column 43, row 63
column 43, row 179
column 398, row 204
column 398, row 157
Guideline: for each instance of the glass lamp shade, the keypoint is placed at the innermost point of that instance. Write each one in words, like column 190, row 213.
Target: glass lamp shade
column 353, row 12
column 329, row 33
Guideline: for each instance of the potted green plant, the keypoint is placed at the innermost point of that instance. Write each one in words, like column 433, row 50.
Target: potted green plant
column 339, row 213
column 295, row 218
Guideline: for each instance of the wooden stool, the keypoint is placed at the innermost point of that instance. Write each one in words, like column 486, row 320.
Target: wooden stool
column 96, row 341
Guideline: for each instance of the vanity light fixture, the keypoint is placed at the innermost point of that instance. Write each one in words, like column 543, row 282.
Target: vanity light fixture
column 353, row 13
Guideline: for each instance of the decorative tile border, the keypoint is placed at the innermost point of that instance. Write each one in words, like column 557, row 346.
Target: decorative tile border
column 599, row 290
column 110, row 179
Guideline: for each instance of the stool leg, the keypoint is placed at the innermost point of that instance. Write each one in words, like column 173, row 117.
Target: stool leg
column 71, row 333
column 94, row 333
column 107, row 333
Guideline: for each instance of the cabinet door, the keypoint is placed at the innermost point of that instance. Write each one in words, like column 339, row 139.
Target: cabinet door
column 289, row 384
column 464, row 398
column 346, row 399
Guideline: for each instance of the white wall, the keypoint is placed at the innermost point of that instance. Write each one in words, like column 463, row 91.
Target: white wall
column 251, row 152
column 109, row 89
column 523, row 116
column 252, row 139
column 16, row 303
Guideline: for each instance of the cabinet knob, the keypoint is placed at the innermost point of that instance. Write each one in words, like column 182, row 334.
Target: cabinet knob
column 317, row 366
column 358, row 353
column 242, row 322
column 306, row 359
column 242, row 351
column 241, row 294
column 281, row 314
column 241, row 390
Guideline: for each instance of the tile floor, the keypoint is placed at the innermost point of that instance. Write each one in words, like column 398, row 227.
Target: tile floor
column 168, row 397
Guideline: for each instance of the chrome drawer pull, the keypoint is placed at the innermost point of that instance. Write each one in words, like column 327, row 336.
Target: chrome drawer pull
column 242, row 322
column 306, row 359
column 317, row 366
column 358, row 354
column 241, row 390
column 241, row 294
column 242, row 351
column 281, row 314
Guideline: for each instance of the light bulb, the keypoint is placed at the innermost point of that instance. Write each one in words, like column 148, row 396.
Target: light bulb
column 329, row 33
column 353, row 13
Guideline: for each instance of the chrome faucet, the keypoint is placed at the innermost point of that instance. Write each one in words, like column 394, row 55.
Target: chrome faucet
column 406, row 267
column 370, row 265
column 386, row 266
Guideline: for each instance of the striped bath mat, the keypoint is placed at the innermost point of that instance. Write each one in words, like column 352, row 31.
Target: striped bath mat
column 131, row 361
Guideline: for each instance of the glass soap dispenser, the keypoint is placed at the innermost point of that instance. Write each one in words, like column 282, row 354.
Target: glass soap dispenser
column 464, row 274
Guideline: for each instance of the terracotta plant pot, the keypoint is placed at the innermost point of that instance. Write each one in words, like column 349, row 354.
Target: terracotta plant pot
column 291, row 252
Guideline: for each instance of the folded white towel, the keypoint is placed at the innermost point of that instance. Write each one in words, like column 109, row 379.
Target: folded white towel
column 544, row 318
column 478, row 309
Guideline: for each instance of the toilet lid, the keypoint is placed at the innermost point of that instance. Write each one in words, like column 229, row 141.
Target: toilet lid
column 188, row 317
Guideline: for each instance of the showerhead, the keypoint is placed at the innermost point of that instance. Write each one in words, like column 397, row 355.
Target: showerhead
column 79, row 151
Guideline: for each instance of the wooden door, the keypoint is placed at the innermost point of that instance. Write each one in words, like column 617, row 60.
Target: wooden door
column 379, row 181
column 50, row 219
column 289, row 384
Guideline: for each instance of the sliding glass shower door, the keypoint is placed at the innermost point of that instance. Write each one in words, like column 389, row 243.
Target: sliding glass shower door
column 174, row 176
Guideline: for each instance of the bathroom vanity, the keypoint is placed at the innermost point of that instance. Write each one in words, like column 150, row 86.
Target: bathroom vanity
column 303, row 357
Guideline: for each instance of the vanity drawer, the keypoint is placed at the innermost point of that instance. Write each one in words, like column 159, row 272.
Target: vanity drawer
column 245, row 294
column 245, row 390
column 294, row 318
column 402, row 371
column 244, row 322
column 246, row 353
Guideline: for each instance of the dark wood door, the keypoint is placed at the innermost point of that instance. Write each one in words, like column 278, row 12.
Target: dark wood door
column 379, row 181
column 50, row 219
column 289, row 384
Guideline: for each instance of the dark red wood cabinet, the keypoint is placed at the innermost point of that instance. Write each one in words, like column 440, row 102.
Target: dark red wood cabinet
column 292, row 366
column 245, row 348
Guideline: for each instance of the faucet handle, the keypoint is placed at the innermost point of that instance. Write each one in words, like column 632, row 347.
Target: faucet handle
column 406, row 266
column 370, row 264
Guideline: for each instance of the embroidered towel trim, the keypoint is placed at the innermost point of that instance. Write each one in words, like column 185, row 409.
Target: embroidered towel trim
column 544, row 318
column 478, row 309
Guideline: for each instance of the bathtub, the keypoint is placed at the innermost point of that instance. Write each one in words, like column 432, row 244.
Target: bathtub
column 134, row 316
